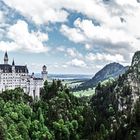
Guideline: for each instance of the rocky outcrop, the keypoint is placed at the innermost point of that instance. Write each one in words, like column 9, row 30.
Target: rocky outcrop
column 119, row 102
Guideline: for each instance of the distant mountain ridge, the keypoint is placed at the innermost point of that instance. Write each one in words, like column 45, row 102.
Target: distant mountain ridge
column 112, row 70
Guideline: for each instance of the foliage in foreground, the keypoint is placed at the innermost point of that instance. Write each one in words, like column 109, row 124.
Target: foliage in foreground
column 59, row 115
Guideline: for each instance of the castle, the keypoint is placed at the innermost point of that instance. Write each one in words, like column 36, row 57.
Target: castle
column 13, row 76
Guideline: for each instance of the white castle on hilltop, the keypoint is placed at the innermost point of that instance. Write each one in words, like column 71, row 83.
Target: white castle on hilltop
column 13, row 76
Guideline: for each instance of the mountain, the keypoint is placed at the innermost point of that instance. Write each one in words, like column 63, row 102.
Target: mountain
column 117, row 106
column 112, row 70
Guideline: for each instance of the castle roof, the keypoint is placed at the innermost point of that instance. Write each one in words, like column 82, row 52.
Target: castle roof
column 6, row 68
column 36, row 78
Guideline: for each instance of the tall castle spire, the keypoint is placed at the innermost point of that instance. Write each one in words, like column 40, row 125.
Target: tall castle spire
column 6, row 58
column 13, row 66
column 13, row 63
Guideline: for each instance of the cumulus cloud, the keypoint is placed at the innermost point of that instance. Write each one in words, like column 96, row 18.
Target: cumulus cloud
column 2, row 23
column 73, row 52
column 1, row 17
column 93, row 32
column 40, row 12
column 118, row 19
column 105, row 57
column 117, row 33
column 70, row 52
column 21, row 39
column 77, row 63
column 118, row 16
column 86, row 32
column 45, row 11
column 73, row 34
column 41, row 36
column 88, row 46
column 60, row 49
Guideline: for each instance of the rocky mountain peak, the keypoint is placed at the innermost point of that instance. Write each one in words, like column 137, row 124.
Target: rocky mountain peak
column 112, row 70
column 136, row 58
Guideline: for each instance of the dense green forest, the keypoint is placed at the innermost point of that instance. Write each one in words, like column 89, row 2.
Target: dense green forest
column 59, row 115
column 112, row 113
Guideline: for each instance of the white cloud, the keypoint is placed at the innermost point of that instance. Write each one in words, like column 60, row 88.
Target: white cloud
column 128, row 2
column 41, row 36
column 73, row 52
column 2, row 23
column 70, row 52
column 8, row 46
column 119, row 19
column 118, row 32
column 107, row 39
column 88, row 46
column 85, row 31
column 72, row 33
column 108, row 14
column 99, row 66
column 23, row 40
column 64, row 66
column 42, row 11
column 105, row 57
column 1, row 16
column 77, row 63
column 60, row 49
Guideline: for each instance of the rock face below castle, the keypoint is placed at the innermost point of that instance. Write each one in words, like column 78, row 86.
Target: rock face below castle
column 13, row 76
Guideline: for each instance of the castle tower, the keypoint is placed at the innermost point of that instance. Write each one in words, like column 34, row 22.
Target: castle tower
column 44, row 73
column 6, row 58
column 13, row 66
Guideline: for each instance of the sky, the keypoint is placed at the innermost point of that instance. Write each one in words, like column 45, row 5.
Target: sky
column 69, row 36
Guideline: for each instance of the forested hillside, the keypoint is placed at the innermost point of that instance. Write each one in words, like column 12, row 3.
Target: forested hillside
column 117, row 106
column 112, row 70
column 57, row 115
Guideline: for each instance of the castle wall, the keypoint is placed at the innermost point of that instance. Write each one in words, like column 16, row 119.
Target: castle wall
column 30, row 85
column 13, row 76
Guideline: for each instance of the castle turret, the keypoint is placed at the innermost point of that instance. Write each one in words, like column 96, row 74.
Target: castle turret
column 6, row 58
column 13, row 66
column 44, row 73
